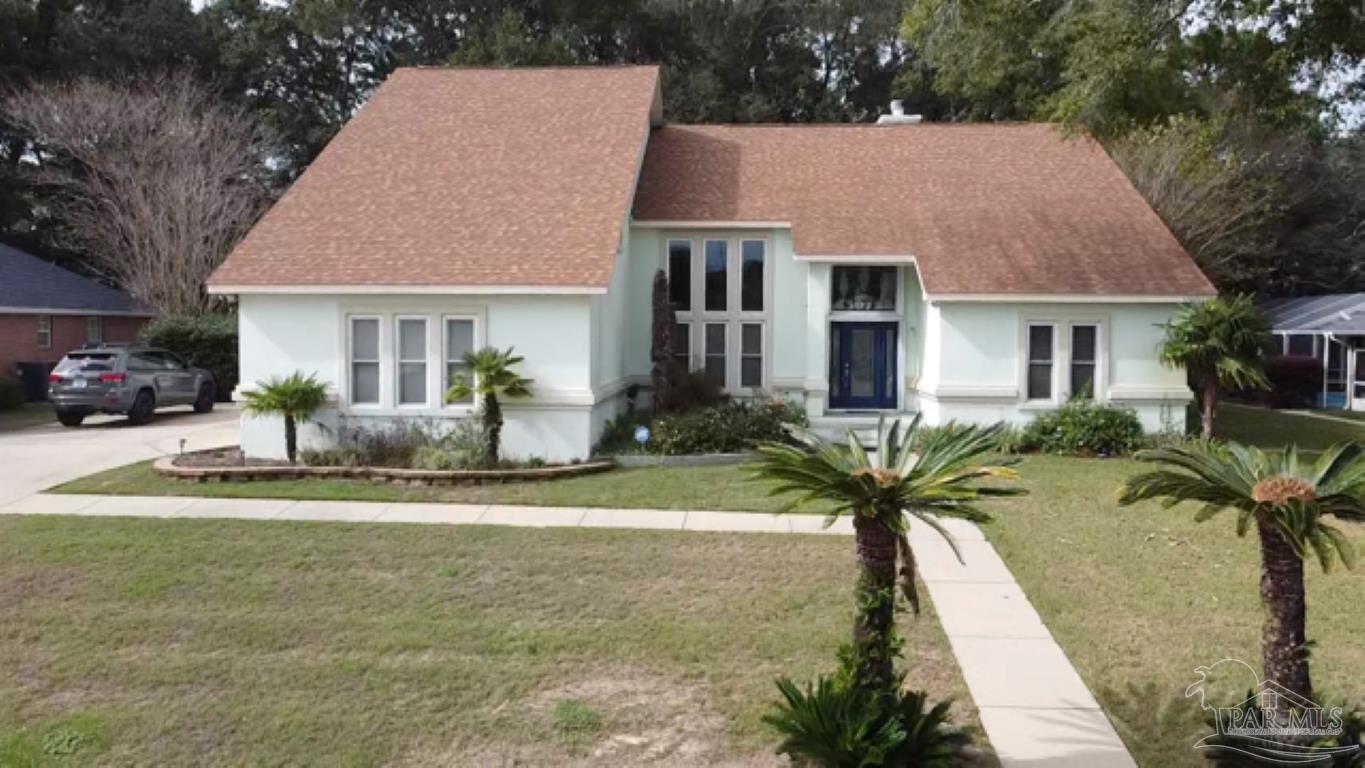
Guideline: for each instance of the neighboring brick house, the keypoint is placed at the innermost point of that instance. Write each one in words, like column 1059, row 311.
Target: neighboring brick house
column 46, row 310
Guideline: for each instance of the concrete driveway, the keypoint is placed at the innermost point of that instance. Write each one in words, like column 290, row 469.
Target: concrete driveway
column 39, row 457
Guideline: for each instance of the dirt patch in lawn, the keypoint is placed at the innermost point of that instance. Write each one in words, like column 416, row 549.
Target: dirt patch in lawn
column 642, row 719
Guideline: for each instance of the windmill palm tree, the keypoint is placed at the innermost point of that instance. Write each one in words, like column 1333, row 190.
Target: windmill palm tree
column 1219, row 341
column 1291, row 501
column 490, row 377
column 295, row 398
column 883, row 492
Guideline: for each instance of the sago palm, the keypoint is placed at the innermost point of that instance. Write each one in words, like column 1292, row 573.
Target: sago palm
column 1219, row 341
column 1291, row 501
column 883, row 491
column 295, row 398
column 490, row 377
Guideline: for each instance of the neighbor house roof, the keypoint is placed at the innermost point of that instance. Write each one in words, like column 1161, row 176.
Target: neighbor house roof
column 1342, row 313
column 464, row 177
column 30, row 285
column 981, row 208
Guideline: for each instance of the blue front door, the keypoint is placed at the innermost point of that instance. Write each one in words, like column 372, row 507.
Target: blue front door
column 862, row 359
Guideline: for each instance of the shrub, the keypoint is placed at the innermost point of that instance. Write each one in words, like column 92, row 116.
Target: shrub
column 1084, row 427
column 11, row 394
column 386, row 446
column 687, row 390
column 728, row 428
column 1010, row 439
column 206, row 341
column 337, row 456
column 462, row 448
column 618, row 436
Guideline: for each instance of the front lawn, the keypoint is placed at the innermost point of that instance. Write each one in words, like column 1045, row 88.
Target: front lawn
column 1139, row 597
column 1273, row 429
column 185, row 642
column 695, row 488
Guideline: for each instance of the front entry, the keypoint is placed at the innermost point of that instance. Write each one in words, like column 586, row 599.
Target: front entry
column 862, row 373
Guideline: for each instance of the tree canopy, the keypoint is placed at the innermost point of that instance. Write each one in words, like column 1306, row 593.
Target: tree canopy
column 1239, row 119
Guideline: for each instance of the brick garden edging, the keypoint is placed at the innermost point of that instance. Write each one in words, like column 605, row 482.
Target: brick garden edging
column 166, row 467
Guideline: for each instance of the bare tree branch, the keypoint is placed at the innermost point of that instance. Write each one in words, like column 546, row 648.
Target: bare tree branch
column 155, row 182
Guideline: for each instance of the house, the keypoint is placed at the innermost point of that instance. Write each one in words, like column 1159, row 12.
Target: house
column 1328, row 332
column 46, row 310
column 970, row 272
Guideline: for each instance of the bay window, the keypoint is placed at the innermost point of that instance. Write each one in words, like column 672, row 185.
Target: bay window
column 722, row 305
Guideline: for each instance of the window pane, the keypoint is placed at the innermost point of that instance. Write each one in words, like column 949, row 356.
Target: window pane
column 751, row 372
column 680, row 275
column 716, row 262
column 751, row 276
column 1083, row 343
column 1040, row 381
column 412, row 340
column 751, row 339
column 1040, row 343
column 682, row 342
column 459, row 339
column 365, row 382
column 1083, row 380
column 454, row 369
column 1301, row 345
column 365, row 339
column 715, row 338
column 412, row 383
column 715, row 369
column 864, row 289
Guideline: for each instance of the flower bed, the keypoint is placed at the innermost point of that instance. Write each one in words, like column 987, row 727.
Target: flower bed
column 199, row 473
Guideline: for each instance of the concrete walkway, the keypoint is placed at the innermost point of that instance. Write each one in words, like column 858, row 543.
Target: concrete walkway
column 1033, row 705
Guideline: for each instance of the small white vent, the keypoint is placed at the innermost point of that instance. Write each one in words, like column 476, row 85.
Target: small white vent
column 898, row 116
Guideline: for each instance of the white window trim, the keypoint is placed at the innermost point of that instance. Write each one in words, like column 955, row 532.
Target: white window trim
column 697, row 316
column 441, row 374
column 1026, row 360
column 398, row 361
column 45, row 332
column 350, row 361
column 1061, row 359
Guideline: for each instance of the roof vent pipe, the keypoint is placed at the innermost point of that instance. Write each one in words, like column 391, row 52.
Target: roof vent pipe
column 898, row 116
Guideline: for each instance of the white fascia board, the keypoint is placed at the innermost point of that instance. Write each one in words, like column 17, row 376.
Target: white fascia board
column 1059, row 298
column 426, row 290
column 683, row 224
column 80, row 312
column 851, row 258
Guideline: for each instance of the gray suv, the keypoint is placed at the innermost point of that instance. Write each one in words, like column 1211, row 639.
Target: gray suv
column 136, row 380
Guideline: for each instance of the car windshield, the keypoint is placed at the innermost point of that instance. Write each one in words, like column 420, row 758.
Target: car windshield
column 84, row 362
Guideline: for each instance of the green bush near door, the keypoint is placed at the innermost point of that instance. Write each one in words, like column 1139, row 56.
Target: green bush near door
column 205, row 341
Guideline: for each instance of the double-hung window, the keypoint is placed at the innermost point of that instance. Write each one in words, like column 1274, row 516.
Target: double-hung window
column 1085, row 358
column 1041, row 352
column 412, row 360
column 364, row 344
column 44, row 331
column 459, row 341
column 718, row 286
column 94, row 330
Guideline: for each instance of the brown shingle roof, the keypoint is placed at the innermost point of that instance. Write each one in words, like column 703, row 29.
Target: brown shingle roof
column 1016, row 209
column 464, row 177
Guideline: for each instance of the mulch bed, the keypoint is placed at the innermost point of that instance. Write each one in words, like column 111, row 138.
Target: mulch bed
column 229, row 465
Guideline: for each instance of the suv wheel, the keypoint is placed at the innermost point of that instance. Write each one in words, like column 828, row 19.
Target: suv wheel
column 142, row 409
column 70, row 418
column 204, row 402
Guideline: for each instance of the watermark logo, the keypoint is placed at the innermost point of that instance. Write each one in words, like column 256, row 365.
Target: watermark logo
column 1272, row 724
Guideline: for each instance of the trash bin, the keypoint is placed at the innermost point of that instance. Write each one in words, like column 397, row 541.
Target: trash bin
column 34, row 378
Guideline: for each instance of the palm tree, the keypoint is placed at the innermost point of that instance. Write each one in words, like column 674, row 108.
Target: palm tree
column 1219, row 341
column 883, row 491
column 296, row 398
column 490, row 376
column 1287, row 497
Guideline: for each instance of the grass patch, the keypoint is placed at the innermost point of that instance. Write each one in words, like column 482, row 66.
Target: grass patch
column 1138, row 597
column 26, row 415
column 697, row 488
column 1274, row 429
column 151, row 642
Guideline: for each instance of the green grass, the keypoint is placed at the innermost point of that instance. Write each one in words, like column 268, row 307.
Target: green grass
column 1273, row 429
column 27, row 415
column 152, row 642
column 1138, row 597
column 697, row 488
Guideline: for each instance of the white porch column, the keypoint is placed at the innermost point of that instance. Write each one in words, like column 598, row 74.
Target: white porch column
column 817, row 343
